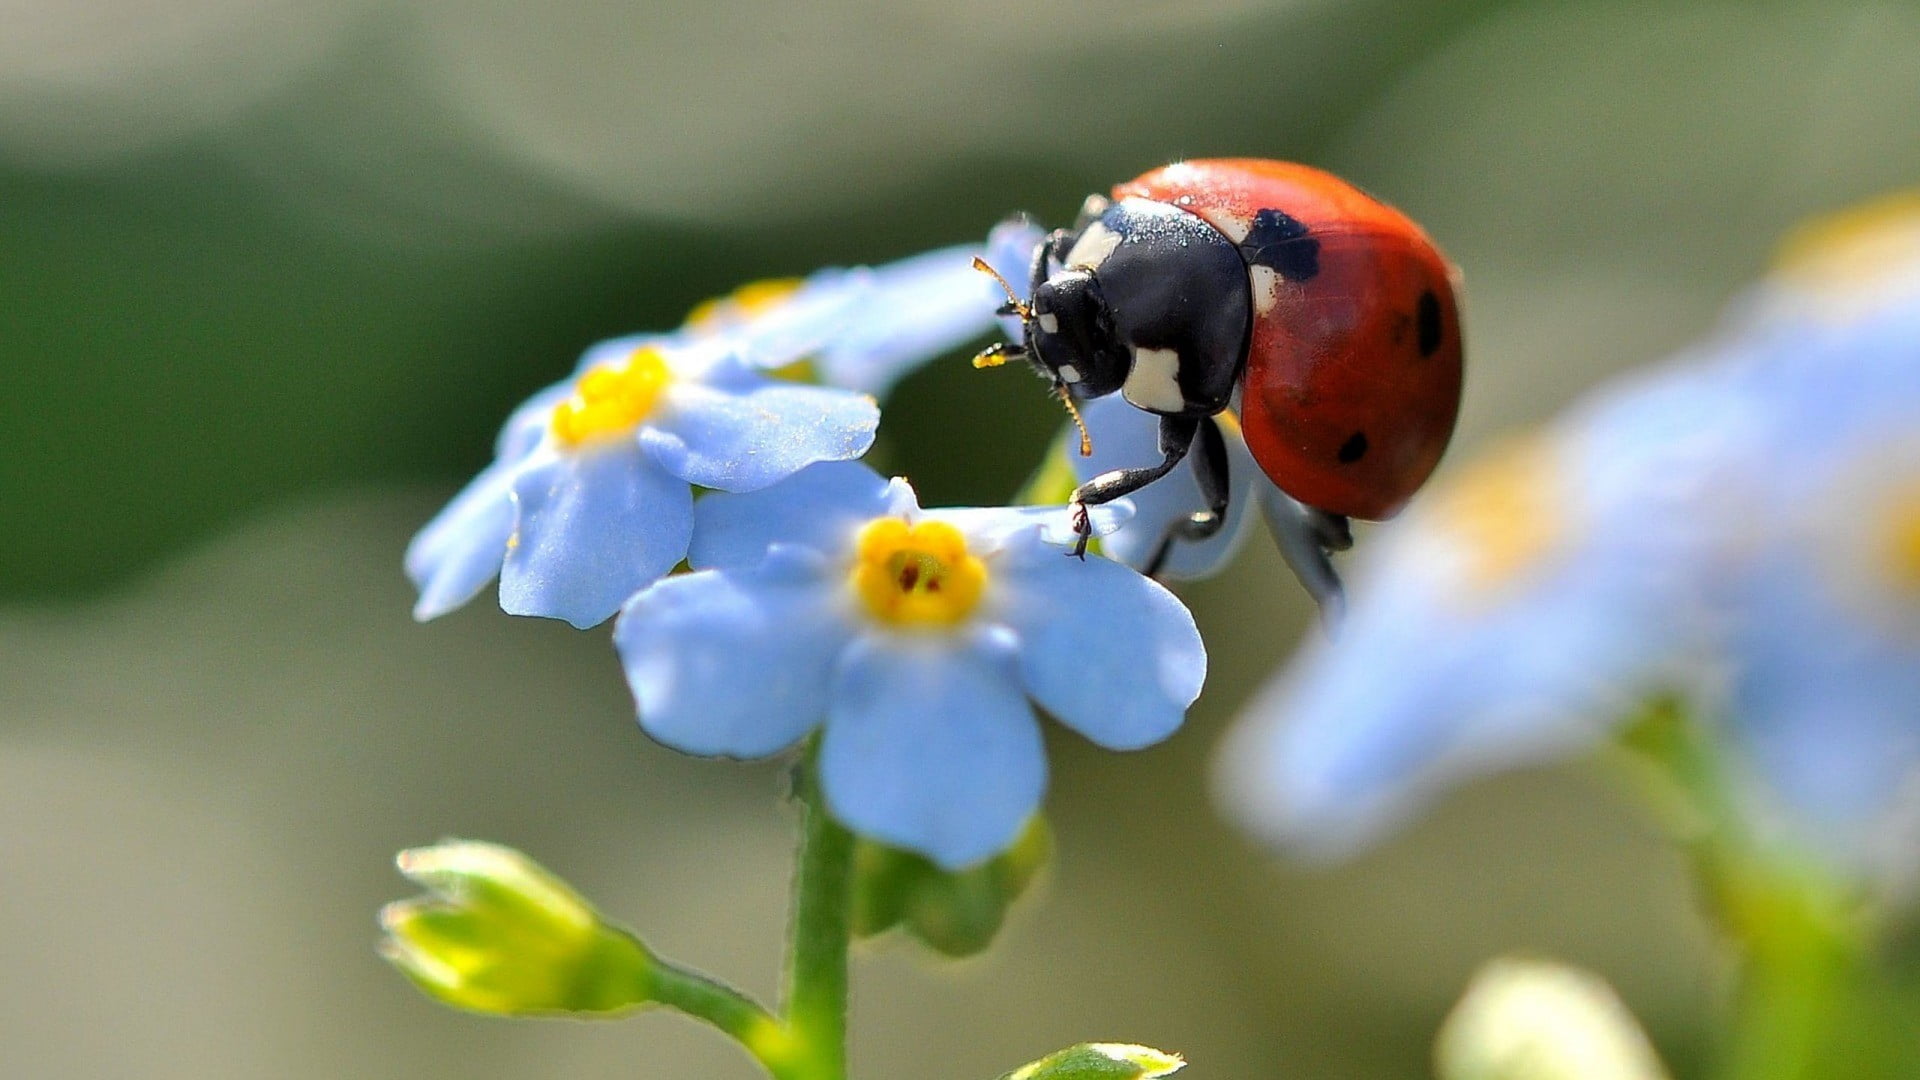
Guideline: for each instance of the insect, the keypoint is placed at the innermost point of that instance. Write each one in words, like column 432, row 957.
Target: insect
column 1323, row 318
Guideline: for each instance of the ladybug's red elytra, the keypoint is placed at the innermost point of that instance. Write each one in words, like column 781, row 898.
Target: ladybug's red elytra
column 1324, row 317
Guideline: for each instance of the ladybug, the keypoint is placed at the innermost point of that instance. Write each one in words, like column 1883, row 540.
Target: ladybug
column 1324, row 318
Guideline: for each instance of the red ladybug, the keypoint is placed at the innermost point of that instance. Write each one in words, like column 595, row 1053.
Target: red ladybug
column 1323, row 316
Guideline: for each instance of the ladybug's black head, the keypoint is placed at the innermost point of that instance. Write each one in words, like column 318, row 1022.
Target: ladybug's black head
column 1070, row 336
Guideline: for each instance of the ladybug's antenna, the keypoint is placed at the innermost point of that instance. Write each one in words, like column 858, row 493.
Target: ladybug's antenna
column 995, row 355
column 1066, row 398
column 1015, row 306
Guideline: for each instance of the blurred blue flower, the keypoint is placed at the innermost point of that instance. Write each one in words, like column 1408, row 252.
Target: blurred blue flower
column 1822, row 604
column 919, row 639
column 589, row 498
column 1741, row 528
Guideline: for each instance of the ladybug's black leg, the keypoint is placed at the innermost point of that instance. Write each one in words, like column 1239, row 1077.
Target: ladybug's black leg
column 1307, row 537
column 1210, row 470
column 1176, row 437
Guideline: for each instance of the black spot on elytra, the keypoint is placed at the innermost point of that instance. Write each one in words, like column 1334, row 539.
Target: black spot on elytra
column 1279, row 241
column 1427, row 322
column 1354, row 448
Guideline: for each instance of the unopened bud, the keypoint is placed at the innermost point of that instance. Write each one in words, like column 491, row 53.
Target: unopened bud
column 499, row 934
column 1540, row 1020
column 1101, row 1061
column 954, row 913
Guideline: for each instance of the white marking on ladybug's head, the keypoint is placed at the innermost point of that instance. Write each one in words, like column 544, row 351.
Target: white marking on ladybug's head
column 1154, row 381
column 1068, row 372
column 1093, row 247
column 1049, row 322
column 1266, row 289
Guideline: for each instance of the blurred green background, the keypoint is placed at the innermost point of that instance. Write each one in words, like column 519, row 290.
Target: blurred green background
column 272, row 272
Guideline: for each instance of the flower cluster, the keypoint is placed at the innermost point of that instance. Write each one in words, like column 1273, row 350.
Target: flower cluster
column 1739, row 529
column 820, row 595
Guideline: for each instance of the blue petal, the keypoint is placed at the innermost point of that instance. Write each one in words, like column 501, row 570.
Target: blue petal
column 911, row 312
column 529, row 423
column 821, row 507
column 740, row 432
column 734, row 662
column 865, row 328
column 1110, row 653
column 1826, row 701
column 801, row 325
column 460, row 550
column 931, row 746
column 594, row 528
column 1125, row 437
column 988, row 527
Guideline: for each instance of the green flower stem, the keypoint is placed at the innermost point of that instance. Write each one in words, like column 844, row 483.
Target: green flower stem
column 728, row 1010
column 1806, row 962
column 821, row 933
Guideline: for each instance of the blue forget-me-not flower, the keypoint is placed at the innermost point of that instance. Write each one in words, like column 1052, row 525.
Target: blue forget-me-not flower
column 1741, row 528
column 588, row 499
column 590, row 495
column 918, row 640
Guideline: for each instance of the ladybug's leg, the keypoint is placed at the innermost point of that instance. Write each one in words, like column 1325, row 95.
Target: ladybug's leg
column 1210, row 471
column 1307, row 537
column 1176, row 436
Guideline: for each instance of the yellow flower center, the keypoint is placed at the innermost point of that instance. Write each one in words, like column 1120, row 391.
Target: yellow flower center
column 1900, row 542
column 612, row 399
column 919, row 575
column 1502, row 513
column 753, row 298
column 1843, row 257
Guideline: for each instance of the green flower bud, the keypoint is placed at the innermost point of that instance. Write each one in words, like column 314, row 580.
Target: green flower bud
column 954, row 914
column 1539, row 1020
column 1101, row 1061
column 499, row 934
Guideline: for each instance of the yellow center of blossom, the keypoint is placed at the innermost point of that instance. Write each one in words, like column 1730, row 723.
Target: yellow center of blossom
column 1900, row 542
column 753, row 298
column 919, row 575
column 1502, row 513
column 1843, row 256
column 610, row 400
